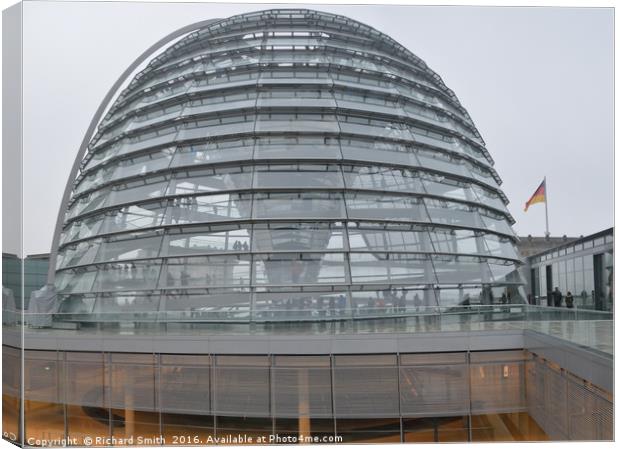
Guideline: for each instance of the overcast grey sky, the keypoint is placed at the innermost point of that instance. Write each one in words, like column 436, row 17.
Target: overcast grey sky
column 538, row 83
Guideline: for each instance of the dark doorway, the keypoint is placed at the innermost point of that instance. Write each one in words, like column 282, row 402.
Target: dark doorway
column 598, row 282
column 549, row 284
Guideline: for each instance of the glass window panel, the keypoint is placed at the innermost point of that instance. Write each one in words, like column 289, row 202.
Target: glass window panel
column 441, row 161
column 505, row 273
column 385, row 207
column 81, row 254
column 382, row 178
column 129, row 275
column 350, row 99
column 133, row 217
column 497, row 387
column 76, row 304
column 184, row 388
column 241, row 388
column 277, row 97
column 212, row 304
column 75, row 281
column 298, row 237
column 299, row 205
column 365, row 389
column 296, row 122
column 297, row 147
column 214, row 129
column 213, row 152
column 85, row 379
column 207, row 271
column 374, row 128
column 457, row 241
column 100, row 156
column 133, row 385
column 297, row 176
column 88, row 203
column 95, row 179
column 142, row 165
column 300, row 305
column 42, row 374
column 187, row 242
column 378, row 151
column 302, row 390
column 455, row 214
column 127, row 305
column 132, row 246
column 211, row 180
column 380, row 239
column 221, row 103
column 391, row 268
column 135, row 191
column 483, row 175
column 306, row 268
column 406, row 299
column 449, row 188
column 489, row 198
column 148, row 117
column 211, row 208
column 500, row 247
column 434, row 390
column 461, row 270
column 463, row 296
column 496, row 223
column 81, row 229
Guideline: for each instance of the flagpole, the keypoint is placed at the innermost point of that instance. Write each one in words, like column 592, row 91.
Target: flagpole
column 546, row 211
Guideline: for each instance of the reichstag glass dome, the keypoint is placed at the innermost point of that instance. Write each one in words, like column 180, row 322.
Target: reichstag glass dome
column 285, row 165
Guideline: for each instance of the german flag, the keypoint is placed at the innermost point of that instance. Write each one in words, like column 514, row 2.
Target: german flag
column 539, row 195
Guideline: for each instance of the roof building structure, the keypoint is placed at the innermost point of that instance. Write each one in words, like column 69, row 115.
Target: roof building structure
column 583, row 267
column 286, row 225
column 530, row 245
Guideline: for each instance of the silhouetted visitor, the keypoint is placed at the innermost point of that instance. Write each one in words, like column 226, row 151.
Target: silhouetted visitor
column 598, row 303
column 557, row 298
column 403, row 300
column 569, row 300
column 503, row 299
column 417, row 302
column 342, row 304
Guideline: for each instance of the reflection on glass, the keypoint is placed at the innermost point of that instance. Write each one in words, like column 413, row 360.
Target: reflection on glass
column 298, row 237
column 189, row 241
column 305, row 268
column 205, row 209
column 207, row 271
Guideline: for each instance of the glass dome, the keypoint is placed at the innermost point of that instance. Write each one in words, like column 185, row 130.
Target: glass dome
column 285, row 165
